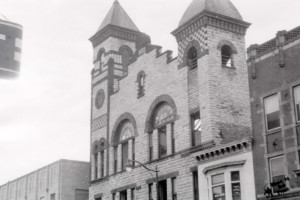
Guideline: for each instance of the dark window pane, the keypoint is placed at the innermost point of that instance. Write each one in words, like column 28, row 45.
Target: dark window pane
column 150, row 146
column 150, row 191
column 162, row 189
column 102, row 163
column 196, row 129
column 235, row 176
column 192, row 58
column 115, row 160
column 195, row 184
column 273, row 120
column 162, row 141
column 123, row 195
column 236, row 191
column 124, row 154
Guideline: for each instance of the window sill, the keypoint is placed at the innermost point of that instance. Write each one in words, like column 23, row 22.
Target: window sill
column 276, row 130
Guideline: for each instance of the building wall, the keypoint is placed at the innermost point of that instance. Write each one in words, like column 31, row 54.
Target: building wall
column 74, row 180
column 10, row 48
column 49, row 180
column 266, row 77
column 220, row 94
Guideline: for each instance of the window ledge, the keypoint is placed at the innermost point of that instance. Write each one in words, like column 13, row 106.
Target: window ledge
column 276, row 130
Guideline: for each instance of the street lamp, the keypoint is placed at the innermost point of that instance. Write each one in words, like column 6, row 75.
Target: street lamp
column 129, row 168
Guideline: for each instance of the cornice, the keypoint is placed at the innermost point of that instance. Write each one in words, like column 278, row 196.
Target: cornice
column 114, row 31
column 212, row 19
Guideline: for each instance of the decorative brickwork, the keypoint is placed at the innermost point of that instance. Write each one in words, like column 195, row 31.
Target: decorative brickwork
column 99, row 123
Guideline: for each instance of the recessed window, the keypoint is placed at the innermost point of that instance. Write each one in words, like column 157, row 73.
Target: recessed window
column 162, row 141
column 162, row 187
column 115, row 159
column 150, row 191
column 297, row 102
column 124, row 154
column 226, row 56
column 141, row 84
column 195, row 185
column 102, row 163
column 173, row 138
column 277, row 172
column 218, row 187
column 196, row 129
column 123, row 195
column 192, row 58
column 100, row 97
column 96, row 165
column 150, row 146
column 272, row 117
column 235, row 185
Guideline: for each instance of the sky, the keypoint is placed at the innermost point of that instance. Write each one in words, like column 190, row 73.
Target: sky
column 45, row 113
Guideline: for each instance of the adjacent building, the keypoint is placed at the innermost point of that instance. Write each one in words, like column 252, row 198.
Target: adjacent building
column 61, row 180
column 10, row 48
column 188, row 117
column 274, row 77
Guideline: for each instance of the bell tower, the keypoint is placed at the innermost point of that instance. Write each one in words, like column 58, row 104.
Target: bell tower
column 211, row 46
column 114, row 45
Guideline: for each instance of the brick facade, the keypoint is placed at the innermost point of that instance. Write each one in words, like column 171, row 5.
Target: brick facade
column 274, row 69
column 220, row 94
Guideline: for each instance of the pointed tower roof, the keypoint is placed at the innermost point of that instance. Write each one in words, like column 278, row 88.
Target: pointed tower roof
column 118, row 17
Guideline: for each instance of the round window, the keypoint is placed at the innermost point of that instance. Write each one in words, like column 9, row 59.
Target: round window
column 99, row 99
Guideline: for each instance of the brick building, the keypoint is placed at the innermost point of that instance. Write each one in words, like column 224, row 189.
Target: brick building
column 61, row 180
column 274, row 77
column 10, row 48
column 189, row 116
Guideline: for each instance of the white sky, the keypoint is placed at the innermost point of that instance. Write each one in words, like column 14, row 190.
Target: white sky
column 45, row 114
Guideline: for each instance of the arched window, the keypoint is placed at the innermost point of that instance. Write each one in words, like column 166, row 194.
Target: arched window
column 163, row 116
column 126, row 54
column 226, row 56
column 125, row 132
column 141, row 83
column 192, row 58
column 100, row 59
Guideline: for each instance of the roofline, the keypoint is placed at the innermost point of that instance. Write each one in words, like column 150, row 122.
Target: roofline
column 210, row 14
column 9, row 23
column 49, row 165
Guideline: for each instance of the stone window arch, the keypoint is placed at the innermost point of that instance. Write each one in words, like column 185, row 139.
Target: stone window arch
column 160, row 121
column 192, row 54
column 141, row 83
column 227, row 50
column 126, row 54
column 123, row 137
column 100, row 58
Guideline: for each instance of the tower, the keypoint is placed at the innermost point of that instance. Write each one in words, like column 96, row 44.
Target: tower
column 10, row 48
column 114, row 45
column 211, row 45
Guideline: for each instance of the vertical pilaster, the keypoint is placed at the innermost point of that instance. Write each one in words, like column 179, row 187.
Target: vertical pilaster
column 92, row 167
column 154, row 191
column 129, row 194
column 155, row 144
column 169, row 188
